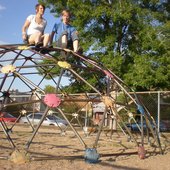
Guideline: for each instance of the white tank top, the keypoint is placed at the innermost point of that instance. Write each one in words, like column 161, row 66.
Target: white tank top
column 35, row 27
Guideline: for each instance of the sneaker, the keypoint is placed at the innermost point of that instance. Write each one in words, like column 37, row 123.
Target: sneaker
column 49, row 46
column 44, row 51
column 31, row 44
column 38, row 44
column 80, row 51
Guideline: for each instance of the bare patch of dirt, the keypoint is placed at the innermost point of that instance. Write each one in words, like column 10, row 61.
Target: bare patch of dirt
column 50, row 150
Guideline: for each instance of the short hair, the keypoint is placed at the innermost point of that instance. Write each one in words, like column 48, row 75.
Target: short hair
column 37, row 5
column 66, row 11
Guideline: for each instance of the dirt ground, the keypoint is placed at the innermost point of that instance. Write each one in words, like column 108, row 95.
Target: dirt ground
column 51, row 150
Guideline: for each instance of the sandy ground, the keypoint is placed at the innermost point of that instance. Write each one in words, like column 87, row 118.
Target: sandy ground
column 50, row 150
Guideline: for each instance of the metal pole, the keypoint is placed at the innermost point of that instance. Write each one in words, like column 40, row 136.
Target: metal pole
column 74, row 130
column 37, row 128
column 158, row 116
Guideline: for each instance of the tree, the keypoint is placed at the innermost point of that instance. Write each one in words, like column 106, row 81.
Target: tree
column 130, row 37
column 49, row 89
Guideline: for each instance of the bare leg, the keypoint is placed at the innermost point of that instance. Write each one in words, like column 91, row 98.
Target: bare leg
column 35, row 38
column 64, row 41
column 46, row 39
column 75, row 45
column 64, row 45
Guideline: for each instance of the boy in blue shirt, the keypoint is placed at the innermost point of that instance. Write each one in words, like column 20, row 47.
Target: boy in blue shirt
column 66, row 35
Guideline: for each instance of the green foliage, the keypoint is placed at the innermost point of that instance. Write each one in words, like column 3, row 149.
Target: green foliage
column 13, row 109
column 49, row 89
column 131, row 38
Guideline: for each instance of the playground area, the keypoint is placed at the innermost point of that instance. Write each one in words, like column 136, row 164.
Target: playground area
column 50, row 150
column 101, row 141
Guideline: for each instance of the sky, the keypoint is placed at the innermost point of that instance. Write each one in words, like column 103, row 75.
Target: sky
column 13, row 14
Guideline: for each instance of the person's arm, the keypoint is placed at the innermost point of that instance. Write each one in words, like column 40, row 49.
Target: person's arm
column 75, row 39
column 24, row 29
column 54, row 30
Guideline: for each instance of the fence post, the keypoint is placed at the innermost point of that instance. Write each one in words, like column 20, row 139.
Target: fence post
column 158, row 116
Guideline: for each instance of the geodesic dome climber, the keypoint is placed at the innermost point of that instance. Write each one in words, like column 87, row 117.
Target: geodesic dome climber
column 27, row 69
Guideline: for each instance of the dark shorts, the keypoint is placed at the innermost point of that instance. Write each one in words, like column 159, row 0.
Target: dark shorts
column 69, row 43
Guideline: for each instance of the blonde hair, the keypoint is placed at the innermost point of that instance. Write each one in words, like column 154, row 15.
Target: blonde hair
column 66, row 11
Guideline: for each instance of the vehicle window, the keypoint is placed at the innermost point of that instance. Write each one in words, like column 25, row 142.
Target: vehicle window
column 30, row 116
column 53, row 117
column 58, row 118
column 8, row 115
column 38, row 116
column 50, row 117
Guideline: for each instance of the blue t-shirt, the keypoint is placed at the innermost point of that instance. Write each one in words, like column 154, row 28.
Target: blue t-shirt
column 60, row 27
